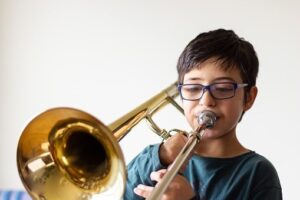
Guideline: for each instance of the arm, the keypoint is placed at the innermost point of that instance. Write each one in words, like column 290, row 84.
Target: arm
column 179, row 188
column 139, row 169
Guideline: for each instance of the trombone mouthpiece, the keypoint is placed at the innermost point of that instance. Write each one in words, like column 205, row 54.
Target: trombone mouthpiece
column 207, row 118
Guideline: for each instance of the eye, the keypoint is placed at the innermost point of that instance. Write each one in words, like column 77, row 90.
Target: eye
column 223, row 87
column 192, row 88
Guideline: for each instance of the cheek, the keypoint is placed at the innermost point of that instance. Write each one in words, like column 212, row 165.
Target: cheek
column 234, row 110
column 189, row 112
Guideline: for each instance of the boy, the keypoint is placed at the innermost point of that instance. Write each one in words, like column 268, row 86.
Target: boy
column 216, row 72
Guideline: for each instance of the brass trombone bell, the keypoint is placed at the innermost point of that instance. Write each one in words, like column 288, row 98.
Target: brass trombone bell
column 65, row 153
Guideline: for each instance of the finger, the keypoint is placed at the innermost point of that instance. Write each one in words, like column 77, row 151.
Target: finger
column 180, row 173
column 186, row 135
column 181, row 170
column 158, row 175
column 183, row 136
column 143, row 190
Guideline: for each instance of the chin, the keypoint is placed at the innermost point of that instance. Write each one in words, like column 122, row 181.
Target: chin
column 211, row 134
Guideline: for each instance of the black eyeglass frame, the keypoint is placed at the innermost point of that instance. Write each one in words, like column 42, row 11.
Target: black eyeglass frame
column 208, row 88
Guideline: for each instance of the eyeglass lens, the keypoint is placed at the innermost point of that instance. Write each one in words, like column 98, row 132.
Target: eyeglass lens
column 217, row 90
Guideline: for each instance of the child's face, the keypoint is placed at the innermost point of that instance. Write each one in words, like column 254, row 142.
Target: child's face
column 228, row 111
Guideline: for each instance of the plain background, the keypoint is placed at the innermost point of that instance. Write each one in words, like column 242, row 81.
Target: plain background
column 107, row 57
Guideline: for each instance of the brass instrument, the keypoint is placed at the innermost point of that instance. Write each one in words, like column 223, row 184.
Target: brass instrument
column 206, row 119
column 67, row 154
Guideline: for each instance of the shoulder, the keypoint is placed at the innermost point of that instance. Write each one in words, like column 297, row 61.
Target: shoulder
column 257, row 165
column 261, row 164
column 147, row 159
column 265, row 178
column 264, row 173
column 148, row 152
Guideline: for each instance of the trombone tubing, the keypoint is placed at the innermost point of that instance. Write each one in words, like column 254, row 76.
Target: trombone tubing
column 123, row 125
column 182, row 157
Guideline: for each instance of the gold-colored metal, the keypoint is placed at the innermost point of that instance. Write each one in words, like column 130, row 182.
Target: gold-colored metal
column 206, row 119
column 123, row 125
column 68, row 154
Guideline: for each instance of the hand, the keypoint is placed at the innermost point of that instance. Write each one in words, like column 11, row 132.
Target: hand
column 178, row 189
column 170, row 149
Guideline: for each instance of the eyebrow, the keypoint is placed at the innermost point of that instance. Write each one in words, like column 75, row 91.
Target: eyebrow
column 217, row 79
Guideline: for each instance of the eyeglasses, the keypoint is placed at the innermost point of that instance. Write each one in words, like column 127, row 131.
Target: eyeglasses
column 224, row 90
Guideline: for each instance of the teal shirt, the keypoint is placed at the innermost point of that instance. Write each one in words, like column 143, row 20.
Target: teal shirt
column 248, row 176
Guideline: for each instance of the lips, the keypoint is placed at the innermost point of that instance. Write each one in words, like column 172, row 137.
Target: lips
column 216, row 114
column 208, row 117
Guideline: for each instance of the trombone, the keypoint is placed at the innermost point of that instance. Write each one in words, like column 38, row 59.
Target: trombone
column 206, row 119
column 65, row 153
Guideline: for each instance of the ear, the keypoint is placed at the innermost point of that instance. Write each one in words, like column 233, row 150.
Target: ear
column 250, row 98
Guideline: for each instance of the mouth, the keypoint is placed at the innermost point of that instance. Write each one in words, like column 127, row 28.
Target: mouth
column 207, row 118
column 203, row 111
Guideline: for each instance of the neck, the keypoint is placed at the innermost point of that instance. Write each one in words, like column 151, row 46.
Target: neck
column 223, row 147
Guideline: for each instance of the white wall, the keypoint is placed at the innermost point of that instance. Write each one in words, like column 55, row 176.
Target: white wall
column 106, row 57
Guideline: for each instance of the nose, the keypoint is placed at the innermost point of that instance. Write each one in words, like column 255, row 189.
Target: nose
column 206, row 99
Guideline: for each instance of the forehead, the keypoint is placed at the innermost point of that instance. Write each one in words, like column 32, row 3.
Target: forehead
column 210, row 71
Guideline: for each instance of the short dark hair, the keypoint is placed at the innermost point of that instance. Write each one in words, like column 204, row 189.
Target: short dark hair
column 225, row 46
